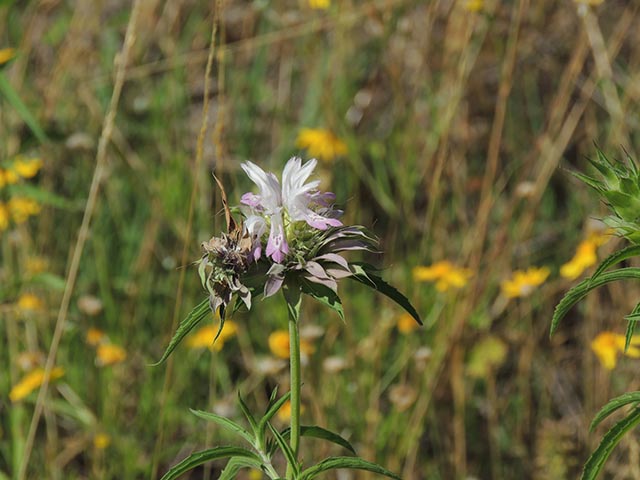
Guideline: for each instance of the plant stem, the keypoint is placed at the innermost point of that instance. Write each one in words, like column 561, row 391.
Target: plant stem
column 294, row 359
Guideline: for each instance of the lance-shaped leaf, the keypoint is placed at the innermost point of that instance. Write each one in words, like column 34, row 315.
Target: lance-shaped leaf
column 286, row 450
column 199, row 313
column 205, row 456
column 314, row 431
column 235, row 464
column 578, row 292
column 632, row 320
column 615, row 258
column 225, row 423
column 324, row 295
column 363, row 273
column 353, row 463
column 598, row 458
column 271, row 411
column 291, row 291
column 613, row 405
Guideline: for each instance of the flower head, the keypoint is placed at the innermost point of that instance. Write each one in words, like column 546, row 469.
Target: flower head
column 607, row 346
column 586, row 254
column 523, row 282
column 31, row 382
column 28, row 302
column 406, row 324
column 446, row 275
column 6, row 54
column 279, row 345
column 109, row 354
column 321, row 143
column 204, row 337
column 95, row 337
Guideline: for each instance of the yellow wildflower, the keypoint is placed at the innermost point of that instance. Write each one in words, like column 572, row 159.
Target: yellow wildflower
column 255, row 474
column 10, row 177
column 607, row 345
column 35, row 265
column 584, row 258
column 284, row 414
column 321, row 143
column 94, row 336
column 22, row 208
column 522, row 283
column 101, row 441
column 444, row 273
column 279, row 344
column 592, row 3
column 406, row 323
column 109, row 354
column 28, row 302
column 203, row 338
column 320, row 4
column 31, row 382
column 6, row 54
column 4, row 217
column 473, row 5
column 26, row 168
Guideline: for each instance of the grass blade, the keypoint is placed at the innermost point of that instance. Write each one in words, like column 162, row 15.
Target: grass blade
column 14, row 99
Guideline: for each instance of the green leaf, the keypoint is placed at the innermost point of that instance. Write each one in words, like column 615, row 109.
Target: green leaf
column 205, row 456
column 613, row 405
column 225, row 423
column 291, row 292
column 597, row 459
column 614, row 258
column 235, row 464
column 286, row 450
column 324, row 295
column 354, row 463
column 632, row 320
column 196, row 315
column 271, row 411
column 578, row 292
column 247, row 414
column 14, row 99
column 321, row 433
column 363, row 274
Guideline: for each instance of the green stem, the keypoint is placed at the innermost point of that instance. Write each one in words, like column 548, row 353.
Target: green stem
column 294, row 358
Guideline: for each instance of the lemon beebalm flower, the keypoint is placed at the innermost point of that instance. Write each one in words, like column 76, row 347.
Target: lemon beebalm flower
column 319, row 4
column 94, row 337
column 6, row 54
column 31, row 382
column 28, row 302
column 203, row 338
column 446, row 275
column 523, row 282
column 109, row 354
column 27, row 167
column 279, row 344
column 321, row 143
column 406, row 324
column 607, row 346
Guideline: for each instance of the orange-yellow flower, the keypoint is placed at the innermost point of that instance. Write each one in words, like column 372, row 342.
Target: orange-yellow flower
column 284, row 414
column 28, row 302
column 31, row 382
column 445, row 274
column 6, row 54
column 26, row 167
column 585, row 255
column 101, row 441
column 4, row 217
column 406, row 323
column 473, row 5
column 607, row 346
column 94, row 336
column 203, row 337
column 321, row 143
column 320, row 4
column 22, row 208
column 523, row 283
column 279, row 344
column 109, row 354
column 35, row 265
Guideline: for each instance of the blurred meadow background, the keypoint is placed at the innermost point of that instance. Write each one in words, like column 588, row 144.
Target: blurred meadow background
column 448, row 127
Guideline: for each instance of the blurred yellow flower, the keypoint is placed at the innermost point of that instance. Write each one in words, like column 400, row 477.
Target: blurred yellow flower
column 585, row 255
column 593, row 3
column 255, row 474
column 522, row 283
column 35, row 265
column 4, row 217
column 8, row 177
column 6, row 54
column 203, row 338
column 22, row 208
column 473, row 5
column 101, row 441
column 607, row 345
column 109, row 354
column 320, row 4
column 406, row 323
column 444, row 273
column 26, row 167
column 28, row 302
column 94, row 336
column 321, row 143
column 284, row 414
column 31, row 382
column 279, row 344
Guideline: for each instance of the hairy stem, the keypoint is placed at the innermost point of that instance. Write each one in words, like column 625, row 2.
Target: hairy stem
column 294, row 359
